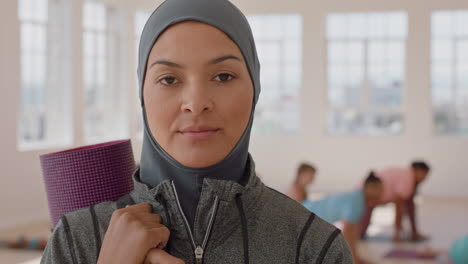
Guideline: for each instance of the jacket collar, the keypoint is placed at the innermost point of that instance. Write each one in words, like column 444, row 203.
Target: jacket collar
column 226, row 190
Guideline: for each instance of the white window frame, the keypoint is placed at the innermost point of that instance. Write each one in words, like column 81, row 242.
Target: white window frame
column 112, row 93
column 56, row 109
column 452, row 107
column 364, row 106
column 284, row 122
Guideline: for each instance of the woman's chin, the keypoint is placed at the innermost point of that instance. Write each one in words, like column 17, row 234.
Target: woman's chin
column 199, row 160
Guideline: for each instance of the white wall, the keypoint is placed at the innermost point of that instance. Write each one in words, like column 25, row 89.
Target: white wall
column 342, row 161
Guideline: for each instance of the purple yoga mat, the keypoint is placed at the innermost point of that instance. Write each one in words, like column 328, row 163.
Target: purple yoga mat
column 84, row 176
column 407, row 254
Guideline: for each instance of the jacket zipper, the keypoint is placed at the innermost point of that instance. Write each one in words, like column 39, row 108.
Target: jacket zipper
column 198, row 250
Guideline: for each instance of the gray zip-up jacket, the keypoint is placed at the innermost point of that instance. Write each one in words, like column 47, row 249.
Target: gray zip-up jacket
column 233, row 224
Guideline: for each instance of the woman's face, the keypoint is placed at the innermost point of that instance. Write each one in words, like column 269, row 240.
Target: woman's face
column 198, row 94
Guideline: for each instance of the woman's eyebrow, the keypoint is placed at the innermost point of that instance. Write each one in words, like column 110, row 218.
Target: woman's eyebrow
column 167, row 63
column 213, row 61
column 223, row 58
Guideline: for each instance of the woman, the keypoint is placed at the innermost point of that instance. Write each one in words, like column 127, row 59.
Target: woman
column 305, row 176
column 197, row 198
column 400, row 187
column 349, row 208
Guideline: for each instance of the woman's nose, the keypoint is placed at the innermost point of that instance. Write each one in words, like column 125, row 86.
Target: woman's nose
column 197, row 99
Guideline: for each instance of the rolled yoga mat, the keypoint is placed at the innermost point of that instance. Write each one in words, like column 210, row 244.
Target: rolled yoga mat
column 84, row 176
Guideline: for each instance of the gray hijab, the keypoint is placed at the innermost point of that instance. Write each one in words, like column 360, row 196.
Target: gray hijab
column 156, row 164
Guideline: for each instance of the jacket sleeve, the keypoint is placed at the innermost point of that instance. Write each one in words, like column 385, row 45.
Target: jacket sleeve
column 59, row 248
column 324, row 244
column 338, row 252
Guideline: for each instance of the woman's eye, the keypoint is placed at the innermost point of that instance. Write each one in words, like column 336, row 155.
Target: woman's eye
column 223, row 77
column 169, row 80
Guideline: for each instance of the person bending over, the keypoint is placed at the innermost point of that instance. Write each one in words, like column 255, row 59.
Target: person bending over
column 349, row 208
column 400, row 187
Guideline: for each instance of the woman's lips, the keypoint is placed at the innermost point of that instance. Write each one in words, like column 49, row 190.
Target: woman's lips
column 199, row 134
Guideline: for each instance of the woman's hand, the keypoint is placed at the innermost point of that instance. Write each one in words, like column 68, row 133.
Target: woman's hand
column 134, row 232
column 159, row 256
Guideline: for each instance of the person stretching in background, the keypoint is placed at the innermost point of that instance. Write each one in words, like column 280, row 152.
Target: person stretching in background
column 349, row 208
column 305, row 176
column 400, row 187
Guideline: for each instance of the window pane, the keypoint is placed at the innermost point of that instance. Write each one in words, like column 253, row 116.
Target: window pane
column 462, row 73
column 292, row 80
column 39, row 35
column 33, row 10
column 337, row 52
column 105, row 113
column 40, row 10
column 278, row 39
column 336, row 96
column 100, row 44
column 355, row 52
column 442, row 24
column 442, row 75
column 377, row 27
column 442, row 49
column 442, row 96
column 381, row 52
column 353, row 85
column 94, row 15
column 337, row 75
column 24, row 9
column 270, row 52
column 291, row 53
column 462, row 99
column 292, row 25
column 396, row 52
column 377, row 52
column 385, row 85
column 44, row 119
column 356, row 25
column 461, row 27
column 336, row 26
column 26, row 37
column 462, row 50
column 88, row 44
column 374, row 67
column 397, row 24
column 354, row 122
column 450, row 72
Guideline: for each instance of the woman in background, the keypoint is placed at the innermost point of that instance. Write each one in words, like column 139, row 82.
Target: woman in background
column 400, row 187
column 304, row 177
column 349, row 209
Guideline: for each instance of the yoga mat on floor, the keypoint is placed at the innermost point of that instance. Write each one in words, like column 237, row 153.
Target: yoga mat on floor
column 88, row 175
column 408, row 254
column 389, row 238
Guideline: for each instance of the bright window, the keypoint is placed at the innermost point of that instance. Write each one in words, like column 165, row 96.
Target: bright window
column 44, row 117
column 279, row 45
column 366, row 73
column 450, row 72
column 104, row 79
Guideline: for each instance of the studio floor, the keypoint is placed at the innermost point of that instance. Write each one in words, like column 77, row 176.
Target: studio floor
column 443, row 219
